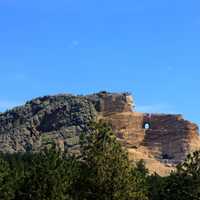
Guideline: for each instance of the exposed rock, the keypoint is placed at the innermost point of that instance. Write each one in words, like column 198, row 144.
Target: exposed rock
column 162, row 140
column 112, row 102
column 60, row 118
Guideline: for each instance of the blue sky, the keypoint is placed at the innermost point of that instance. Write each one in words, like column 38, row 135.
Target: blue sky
column 149, row 48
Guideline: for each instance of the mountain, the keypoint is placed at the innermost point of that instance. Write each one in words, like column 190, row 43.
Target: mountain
column 161, row 140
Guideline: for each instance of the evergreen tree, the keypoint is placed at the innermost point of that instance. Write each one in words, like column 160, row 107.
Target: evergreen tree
column 184, row 184
column 106, row 171
column 49, row 177
column 139, row 174
column 6, row 181
column 155, row 187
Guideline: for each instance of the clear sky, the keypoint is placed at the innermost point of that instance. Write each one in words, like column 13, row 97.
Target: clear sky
column 149, row 48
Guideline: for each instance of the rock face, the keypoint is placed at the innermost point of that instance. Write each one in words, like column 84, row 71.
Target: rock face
column 162, row 140
column 112, row 102
column 60, row 118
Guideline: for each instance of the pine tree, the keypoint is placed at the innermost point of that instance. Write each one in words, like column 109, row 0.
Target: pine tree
column 184, row 184
column 49, row 176
column 6, row 181
column 106, row 171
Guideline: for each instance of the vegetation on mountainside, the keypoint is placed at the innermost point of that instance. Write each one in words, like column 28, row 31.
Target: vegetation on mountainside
column 101, row 172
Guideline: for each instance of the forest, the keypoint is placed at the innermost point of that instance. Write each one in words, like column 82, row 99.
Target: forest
column 102, row 171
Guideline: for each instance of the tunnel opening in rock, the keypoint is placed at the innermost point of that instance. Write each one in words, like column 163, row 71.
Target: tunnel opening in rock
column 167, row 157
column 146, row 125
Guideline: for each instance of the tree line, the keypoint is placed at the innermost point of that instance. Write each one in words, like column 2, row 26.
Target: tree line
column 102, row 171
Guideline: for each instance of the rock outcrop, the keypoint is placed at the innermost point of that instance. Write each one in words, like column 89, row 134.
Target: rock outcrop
column 60, row 118
column 112, row 102
column 161, row 140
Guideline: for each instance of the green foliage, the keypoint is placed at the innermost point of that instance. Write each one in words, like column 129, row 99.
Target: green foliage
column 191, row 166
column 107, row 171
column 101, row 172
column 139, row 175
column 6, row 181
column 184, row 184
column 187, row 177
column 49, row 176
column 155, row 184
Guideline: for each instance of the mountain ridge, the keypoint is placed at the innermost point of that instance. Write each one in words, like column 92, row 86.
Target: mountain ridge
column 161, row 140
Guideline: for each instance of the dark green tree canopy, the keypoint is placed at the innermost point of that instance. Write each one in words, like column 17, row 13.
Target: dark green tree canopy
column 102, row 171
